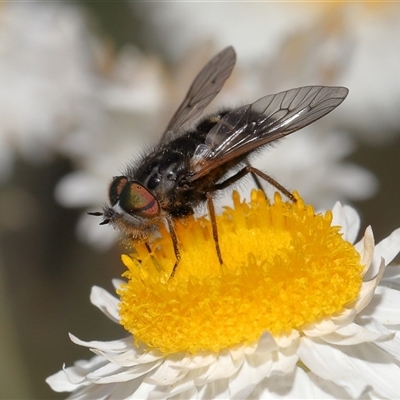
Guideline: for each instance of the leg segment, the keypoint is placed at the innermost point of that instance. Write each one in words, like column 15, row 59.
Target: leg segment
column 175, row 244
column 256, row 179
column 249, row 169
column 211, row 211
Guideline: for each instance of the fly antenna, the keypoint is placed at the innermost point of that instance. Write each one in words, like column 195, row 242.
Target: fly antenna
column 96, row 213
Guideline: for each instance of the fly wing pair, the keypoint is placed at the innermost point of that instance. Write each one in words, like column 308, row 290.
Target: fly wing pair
column 248, row 127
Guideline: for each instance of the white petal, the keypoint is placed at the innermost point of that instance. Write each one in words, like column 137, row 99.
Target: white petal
column 107, row 370
column 367, row 321
column 67, row 379
column 111, row 373
column 391, row 277
column 366, row 247
column 265, row 344
column 388, row 248
column 385, row 306
column 166, row 374
column 355, row 368
column 321, row 388
column 349, row 220
column 288, row 339
column 59, row 383
column 117, row 283
column 143, row 392
column 179, row 361
column 218, row 390
column 237, row 352
column 98, row 392
column 122, row 352
column 354, row 334
column 105, row 302
column 368, row 289
column 121, row 390
column 119, row 345
column 202, row 360
column 297, row 385
column 391, row 346
column 183, row 389
column 378, row 367
column 129, row 358
column 73, row 376
column 325, row 361
column 311, row 386
column 188, row 361
column 326, row 326
column 189, row 394
column 278, row 387
column 224, row 367
column 285, row 360
column 205, row 376
column 249, row 375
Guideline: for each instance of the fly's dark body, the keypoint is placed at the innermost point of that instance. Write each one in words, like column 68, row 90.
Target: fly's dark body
column 189, row 165
column 166, row 172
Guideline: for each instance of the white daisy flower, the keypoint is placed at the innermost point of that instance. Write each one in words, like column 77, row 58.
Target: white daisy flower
column 295, row 311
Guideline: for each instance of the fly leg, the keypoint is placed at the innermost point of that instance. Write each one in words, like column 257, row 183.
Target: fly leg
column 147, row 247
column 256, row 179
column 251, row 170
column 211, row 211
column 175, row 244
column 174, row 238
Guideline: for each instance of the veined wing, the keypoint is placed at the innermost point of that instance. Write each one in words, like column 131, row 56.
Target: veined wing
column 205, row 87
column 268, row 119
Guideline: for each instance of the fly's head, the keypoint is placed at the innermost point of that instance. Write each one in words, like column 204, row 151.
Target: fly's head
column 133, row 209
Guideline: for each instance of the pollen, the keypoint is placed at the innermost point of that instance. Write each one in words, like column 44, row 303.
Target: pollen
column 284, row 267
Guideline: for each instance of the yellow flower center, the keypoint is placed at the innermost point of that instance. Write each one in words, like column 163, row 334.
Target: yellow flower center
column 284, row 267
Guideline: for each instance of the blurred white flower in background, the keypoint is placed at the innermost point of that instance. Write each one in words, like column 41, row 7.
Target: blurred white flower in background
column 65, row 91
column 47, row 80
column 345, row 43
column 132, row 99
column 372, row 111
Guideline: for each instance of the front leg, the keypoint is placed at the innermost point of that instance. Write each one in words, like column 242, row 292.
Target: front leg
column 174, row 238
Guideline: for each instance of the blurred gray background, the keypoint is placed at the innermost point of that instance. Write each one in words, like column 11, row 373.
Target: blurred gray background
column 46, row 269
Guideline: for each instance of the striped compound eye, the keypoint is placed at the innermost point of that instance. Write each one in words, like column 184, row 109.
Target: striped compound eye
column 134, row 199
column 116, row 187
